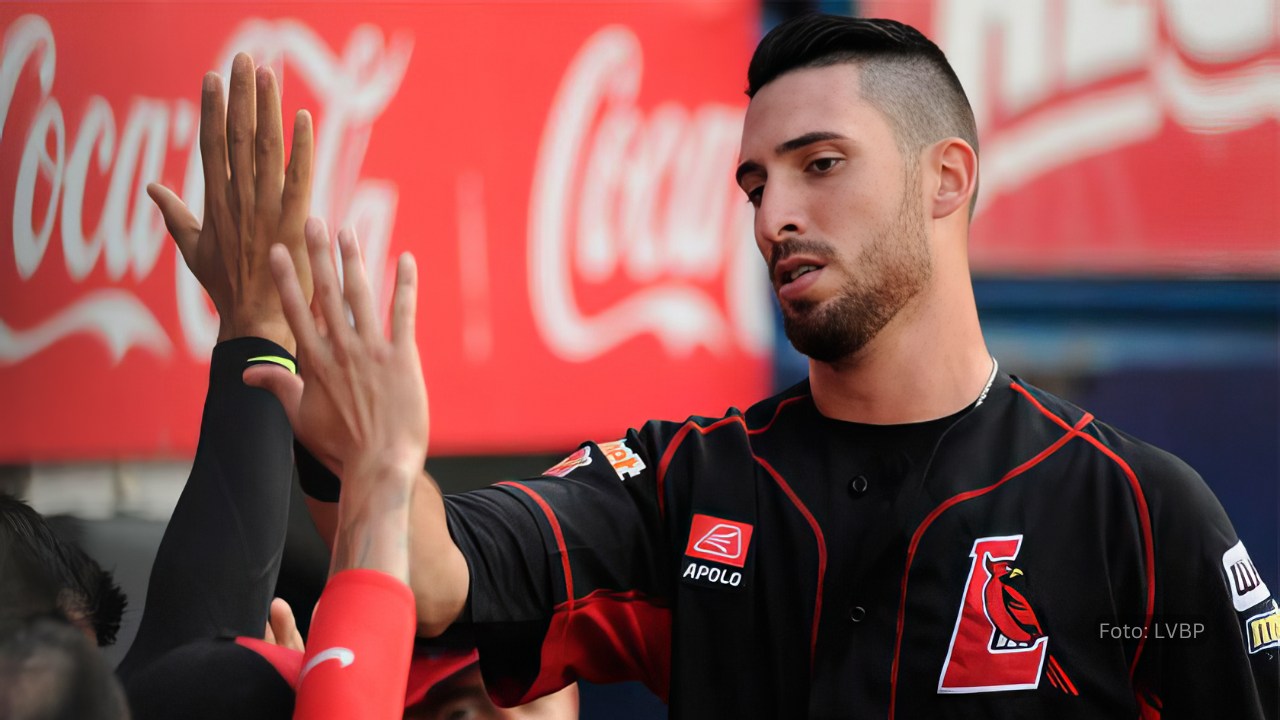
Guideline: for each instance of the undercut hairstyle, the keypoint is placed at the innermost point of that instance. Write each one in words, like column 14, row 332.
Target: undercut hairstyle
column 902, row 73
column 85, row 592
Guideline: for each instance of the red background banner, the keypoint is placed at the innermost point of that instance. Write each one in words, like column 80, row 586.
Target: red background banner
column 1130, row 138
column 562, row 172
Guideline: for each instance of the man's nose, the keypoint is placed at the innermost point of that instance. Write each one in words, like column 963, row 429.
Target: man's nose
column 780, row 215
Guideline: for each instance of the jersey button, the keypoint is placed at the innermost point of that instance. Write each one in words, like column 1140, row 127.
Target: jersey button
column 858, row 486
column 857, row 613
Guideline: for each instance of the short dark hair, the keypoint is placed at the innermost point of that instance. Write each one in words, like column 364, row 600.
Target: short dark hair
column 48, row 669
column 903, row 73
column 85, row 591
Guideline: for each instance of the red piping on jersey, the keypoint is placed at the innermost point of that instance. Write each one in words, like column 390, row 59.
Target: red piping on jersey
column 947, row 505
column 776, row 412
column 822, row 552
column 555, row 529
column 1149, row 552
column 684, row 431
column 679, row 437
column 1144, row 521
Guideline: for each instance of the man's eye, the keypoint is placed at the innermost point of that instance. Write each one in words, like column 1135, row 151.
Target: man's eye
column 754, row 195
column 825, row 164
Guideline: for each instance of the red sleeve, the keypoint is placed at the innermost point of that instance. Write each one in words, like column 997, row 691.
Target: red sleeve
column 358, row 652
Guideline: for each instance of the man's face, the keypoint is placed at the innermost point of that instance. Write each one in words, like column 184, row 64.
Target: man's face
column 838, row 212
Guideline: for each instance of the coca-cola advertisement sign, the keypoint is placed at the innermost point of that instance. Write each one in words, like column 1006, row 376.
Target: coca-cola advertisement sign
column 1134, row 138
column 561, row 171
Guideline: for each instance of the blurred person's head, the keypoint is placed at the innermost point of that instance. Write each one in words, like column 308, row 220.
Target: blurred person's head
column 49, row 670
column 859, row 158
column 86, row 594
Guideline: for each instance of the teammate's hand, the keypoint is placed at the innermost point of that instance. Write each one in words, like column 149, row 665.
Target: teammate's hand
column 248, row 209
column 282, row 628
column 359, row 402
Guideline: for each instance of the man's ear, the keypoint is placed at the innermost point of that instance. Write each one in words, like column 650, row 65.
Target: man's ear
column 956, row 167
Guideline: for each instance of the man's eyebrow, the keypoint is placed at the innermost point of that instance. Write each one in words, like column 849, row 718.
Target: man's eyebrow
column 806, row 139
column 791, row 145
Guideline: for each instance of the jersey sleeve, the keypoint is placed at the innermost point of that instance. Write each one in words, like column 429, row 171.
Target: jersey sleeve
column 216, row 566
column 567, row 572
column 359, row 650
column 1215, row 632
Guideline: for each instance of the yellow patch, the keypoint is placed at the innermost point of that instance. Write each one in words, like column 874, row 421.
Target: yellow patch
column 1264, row 630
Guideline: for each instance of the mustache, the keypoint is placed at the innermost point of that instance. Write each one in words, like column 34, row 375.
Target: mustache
column 799, row 246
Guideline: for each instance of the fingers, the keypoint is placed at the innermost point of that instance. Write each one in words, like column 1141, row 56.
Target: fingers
column 241, row 112
column 404, row 304
column 181, row 224
column 213, row 143
column 296, row 201
column 284, row 626
column 278, row 381
column 325, row 279
column 293, row 303
column 269, row 149
column 356, row 286
column 322, row 328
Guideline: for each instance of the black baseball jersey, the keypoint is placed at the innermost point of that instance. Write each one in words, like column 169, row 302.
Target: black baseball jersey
column 1018, row 559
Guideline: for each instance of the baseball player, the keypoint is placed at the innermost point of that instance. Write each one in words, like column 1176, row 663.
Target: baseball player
column 908, row 533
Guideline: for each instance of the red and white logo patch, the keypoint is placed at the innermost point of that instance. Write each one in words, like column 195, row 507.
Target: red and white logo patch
column 717, row 540
column 624, row 460
column 578, row 459
column 998, row 643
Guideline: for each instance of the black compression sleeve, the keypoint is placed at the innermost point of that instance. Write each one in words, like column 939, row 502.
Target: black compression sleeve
column 216, row 567
column 313, row 477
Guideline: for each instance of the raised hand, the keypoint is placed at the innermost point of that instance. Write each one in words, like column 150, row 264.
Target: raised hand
column 359, row 402
column 251, row 203
column 359, row 399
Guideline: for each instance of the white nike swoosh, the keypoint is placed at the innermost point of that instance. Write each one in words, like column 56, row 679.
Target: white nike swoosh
column 344, row 657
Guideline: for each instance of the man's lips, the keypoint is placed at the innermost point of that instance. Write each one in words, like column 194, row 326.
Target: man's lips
column 794, row 289
column 796, row 273
column 795, row 267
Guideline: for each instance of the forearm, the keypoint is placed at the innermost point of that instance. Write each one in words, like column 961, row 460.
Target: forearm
column 364, row 621
column 373, row 525
column 437, row 571
column 216, row 566
column 440, row 578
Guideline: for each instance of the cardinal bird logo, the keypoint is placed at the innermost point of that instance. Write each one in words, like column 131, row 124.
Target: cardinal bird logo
column 1007, row 608
column 1016, row 626
column 999, row 642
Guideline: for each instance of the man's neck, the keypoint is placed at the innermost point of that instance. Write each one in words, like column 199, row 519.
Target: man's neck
column 927, row 363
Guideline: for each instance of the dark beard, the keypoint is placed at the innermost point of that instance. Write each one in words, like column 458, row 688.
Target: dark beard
column 890, row 271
